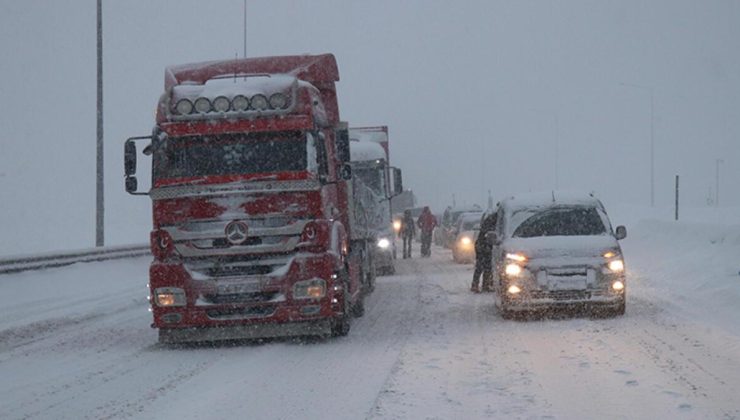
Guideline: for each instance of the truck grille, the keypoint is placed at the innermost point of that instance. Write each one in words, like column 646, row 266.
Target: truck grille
column 242, row 297
column 240, row 313
column 235, row 266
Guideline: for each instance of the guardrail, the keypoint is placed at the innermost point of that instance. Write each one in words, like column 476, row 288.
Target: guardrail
column 59, row 259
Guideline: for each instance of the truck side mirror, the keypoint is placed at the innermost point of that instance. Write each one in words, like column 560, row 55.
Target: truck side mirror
column 346, row 172
column 621, row 232
column 131, row 184
column 342, row 143
column 129, row 162
column 397, row 182
column 129, row 158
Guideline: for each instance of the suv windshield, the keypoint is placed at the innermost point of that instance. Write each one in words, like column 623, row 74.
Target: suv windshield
column 572, row 221
column 234, row 154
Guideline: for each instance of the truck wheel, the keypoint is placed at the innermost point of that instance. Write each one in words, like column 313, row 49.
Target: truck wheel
column 340, row 327
column 358, row 309
column 371, row 276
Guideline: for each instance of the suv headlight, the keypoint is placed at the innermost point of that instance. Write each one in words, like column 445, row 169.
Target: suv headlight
column 616, row 266
column 309, row 289
column 384, row 243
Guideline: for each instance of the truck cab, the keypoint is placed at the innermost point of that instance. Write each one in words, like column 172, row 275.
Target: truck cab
column 253, row 223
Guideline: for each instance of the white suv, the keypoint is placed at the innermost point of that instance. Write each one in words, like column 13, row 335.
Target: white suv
column 557, row 250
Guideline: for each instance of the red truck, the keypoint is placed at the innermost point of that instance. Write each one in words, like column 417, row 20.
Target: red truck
column 254, row 229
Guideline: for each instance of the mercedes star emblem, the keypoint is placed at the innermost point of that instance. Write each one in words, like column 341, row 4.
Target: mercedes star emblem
column 236, row 232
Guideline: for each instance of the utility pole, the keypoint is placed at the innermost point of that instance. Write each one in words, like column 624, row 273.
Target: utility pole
column 716, row 185
column 99, row 185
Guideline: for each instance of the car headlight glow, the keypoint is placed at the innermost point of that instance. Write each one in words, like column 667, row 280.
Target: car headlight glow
column 309, row 289
column 513, row 270
column 169, row 296
column 616, row 266
column 384, row 243
column 465, row 241
column 516, row 257
column 514, row 289
column 618, row 286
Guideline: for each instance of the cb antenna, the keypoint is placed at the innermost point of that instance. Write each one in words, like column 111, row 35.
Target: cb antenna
column 245, row 29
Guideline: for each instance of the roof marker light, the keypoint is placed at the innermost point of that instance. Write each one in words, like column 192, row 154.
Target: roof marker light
column 184, row 107
column 259, row 102
column 240, row 103
column 202, row 105
column 221, row 104
column 278, row 101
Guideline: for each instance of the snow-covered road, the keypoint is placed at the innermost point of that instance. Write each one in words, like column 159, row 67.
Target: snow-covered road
column 75, row 343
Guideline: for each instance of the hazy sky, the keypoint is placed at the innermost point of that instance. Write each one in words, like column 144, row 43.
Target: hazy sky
column 501, row 95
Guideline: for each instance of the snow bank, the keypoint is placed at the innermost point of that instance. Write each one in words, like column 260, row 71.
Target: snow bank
column 688, row 264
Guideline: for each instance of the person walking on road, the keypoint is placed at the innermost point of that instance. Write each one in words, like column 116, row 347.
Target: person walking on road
column 427, row 222
column 407, row 232
column 484, row 255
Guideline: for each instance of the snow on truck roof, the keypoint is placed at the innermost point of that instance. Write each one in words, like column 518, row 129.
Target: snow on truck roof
column 360, row 151
column 551, row 198
column 228, row 86
column 311, row 68
column 369, row 134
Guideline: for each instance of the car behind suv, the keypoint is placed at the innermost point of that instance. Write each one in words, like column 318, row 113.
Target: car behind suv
column 557, row 250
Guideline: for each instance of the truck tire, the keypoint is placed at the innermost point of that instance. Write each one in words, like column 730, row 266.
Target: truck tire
column 371, row 276
column 358, row 309
column 340, row 326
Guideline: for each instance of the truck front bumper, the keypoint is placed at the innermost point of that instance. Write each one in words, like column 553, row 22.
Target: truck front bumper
column 321, row 327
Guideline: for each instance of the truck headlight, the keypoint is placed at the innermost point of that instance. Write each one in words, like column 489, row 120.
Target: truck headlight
column 384, row 243
column 465, row 241
column 618, row 286
column 309, row 289
column 169, row 296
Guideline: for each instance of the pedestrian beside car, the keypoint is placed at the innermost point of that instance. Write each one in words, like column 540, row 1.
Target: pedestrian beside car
column 426, row 222
column 484, row 255
column 408, row 230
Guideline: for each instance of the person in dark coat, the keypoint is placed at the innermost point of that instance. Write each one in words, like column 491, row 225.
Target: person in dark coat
column 427, row 222
column 407, row 232
column 484, row 255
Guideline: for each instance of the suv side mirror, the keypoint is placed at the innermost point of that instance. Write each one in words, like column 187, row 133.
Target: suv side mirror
column 342, row 143
column 621, row 232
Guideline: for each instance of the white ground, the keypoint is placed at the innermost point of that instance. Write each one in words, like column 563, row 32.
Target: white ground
column 75, row 343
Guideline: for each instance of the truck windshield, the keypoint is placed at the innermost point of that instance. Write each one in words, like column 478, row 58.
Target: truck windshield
column 565, row 221
column 372, row 177
column 234, row 154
